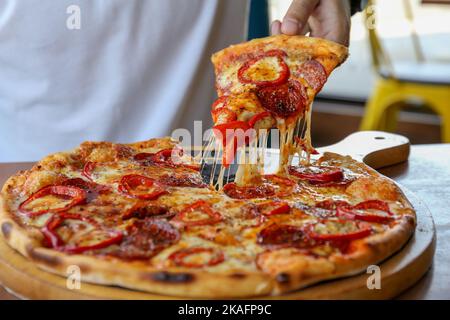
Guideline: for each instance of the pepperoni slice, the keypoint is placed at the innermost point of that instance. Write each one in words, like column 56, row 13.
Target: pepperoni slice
column 146, row 238
column 284, row 100
column 141, row 187
column 248, row 192
column 268, row 69
column 285, row 186
column 282, row 236
column 98, row 238
column 182, row 180
column 162, row 157
column 92, row 189
column 314, row 73
column 371, row 210
column 195, row 257
column 317, row 174
column 199, row 213
column 70, row 197
column 325, row 230
column 143, row 210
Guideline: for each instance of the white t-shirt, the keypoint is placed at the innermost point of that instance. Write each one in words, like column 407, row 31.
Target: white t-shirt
column 134, row 69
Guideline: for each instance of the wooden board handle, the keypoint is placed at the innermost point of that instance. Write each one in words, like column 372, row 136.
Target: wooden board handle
column 377, row 149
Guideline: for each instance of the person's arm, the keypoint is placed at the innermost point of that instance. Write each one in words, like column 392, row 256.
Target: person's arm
column 329, row 19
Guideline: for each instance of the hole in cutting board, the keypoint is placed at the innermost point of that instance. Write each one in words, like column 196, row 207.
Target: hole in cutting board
column 380, row 138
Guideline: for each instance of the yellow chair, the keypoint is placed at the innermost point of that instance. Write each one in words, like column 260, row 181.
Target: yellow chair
column 399, row 83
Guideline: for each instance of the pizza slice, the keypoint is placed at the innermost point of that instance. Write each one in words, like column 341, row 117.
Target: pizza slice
column 271, row 83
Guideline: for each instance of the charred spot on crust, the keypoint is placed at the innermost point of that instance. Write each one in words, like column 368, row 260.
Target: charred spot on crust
column 283, row 278
column 238, row 275
column 6, row 229
column 170, row 277
column 42, row 257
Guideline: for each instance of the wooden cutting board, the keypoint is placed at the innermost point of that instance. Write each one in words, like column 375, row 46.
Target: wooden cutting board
column 398, row 272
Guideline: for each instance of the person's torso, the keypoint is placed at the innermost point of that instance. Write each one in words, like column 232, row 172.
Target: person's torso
column 74, row 70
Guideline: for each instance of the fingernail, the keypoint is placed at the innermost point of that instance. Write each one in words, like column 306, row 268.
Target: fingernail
column 275, row 27
column 290, row 26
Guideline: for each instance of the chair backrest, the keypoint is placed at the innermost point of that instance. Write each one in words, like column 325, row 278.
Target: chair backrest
column 380, row 57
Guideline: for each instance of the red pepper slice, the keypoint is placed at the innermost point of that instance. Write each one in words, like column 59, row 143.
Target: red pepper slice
column 314, row 73
column 317, row 174
column 367, row 211
column 205, row 208
column 88, row 169
column 220, row 103
column 75, row 194
column 281, row 75
column 179, row 257
column 54, row 241
column 229, row 136
column 285, row 100
column 257, row 117
column 362, row 230
column 130, row 185
column 274, row 207
column 248, row 192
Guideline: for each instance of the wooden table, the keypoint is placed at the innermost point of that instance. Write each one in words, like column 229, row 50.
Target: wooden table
column 427, row 174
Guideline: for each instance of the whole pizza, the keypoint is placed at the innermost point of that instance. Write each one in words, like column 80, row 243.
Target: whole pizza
column 142, row 216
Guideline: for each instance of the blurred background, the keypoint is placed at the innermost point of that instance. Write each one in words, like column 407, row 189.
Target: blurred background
column 397, row 77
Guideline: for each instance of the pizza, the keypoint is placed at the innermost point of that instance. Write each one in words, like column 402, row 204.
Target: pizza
column 141, row 216
column 271, row 82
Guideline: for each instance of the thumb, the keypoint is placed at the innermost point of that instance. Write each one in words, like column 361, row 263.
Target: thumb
column 297, row 16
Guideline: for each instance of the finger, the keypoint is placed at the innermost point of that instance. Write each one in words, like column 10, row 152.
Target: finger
column 275, row 28
column 297, row 16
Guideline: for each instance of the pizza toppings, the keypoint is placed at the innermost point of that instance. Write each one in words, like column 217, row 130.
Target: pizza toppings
column 317, row 174
column 74, row 233
column 197, row 257
column 146, row 238
column 197, row 214
column 314, row 74
column 250, row 217
column 223, row 115
column 54, row 198
column 284, row 186
column 182, row 180
column 143, row 210
column 280, row 236
column 248, row 192
column 337, row 230
column 92, row 189
column 271, row 208
column 371, row 210
column 232, row 135
column 141, row 187
column 285, row 100
column 268, row 69
column 262, row 120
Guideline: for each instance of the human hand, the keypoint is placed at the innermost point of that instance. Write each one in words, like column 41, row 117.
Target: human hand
column 328, row 19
